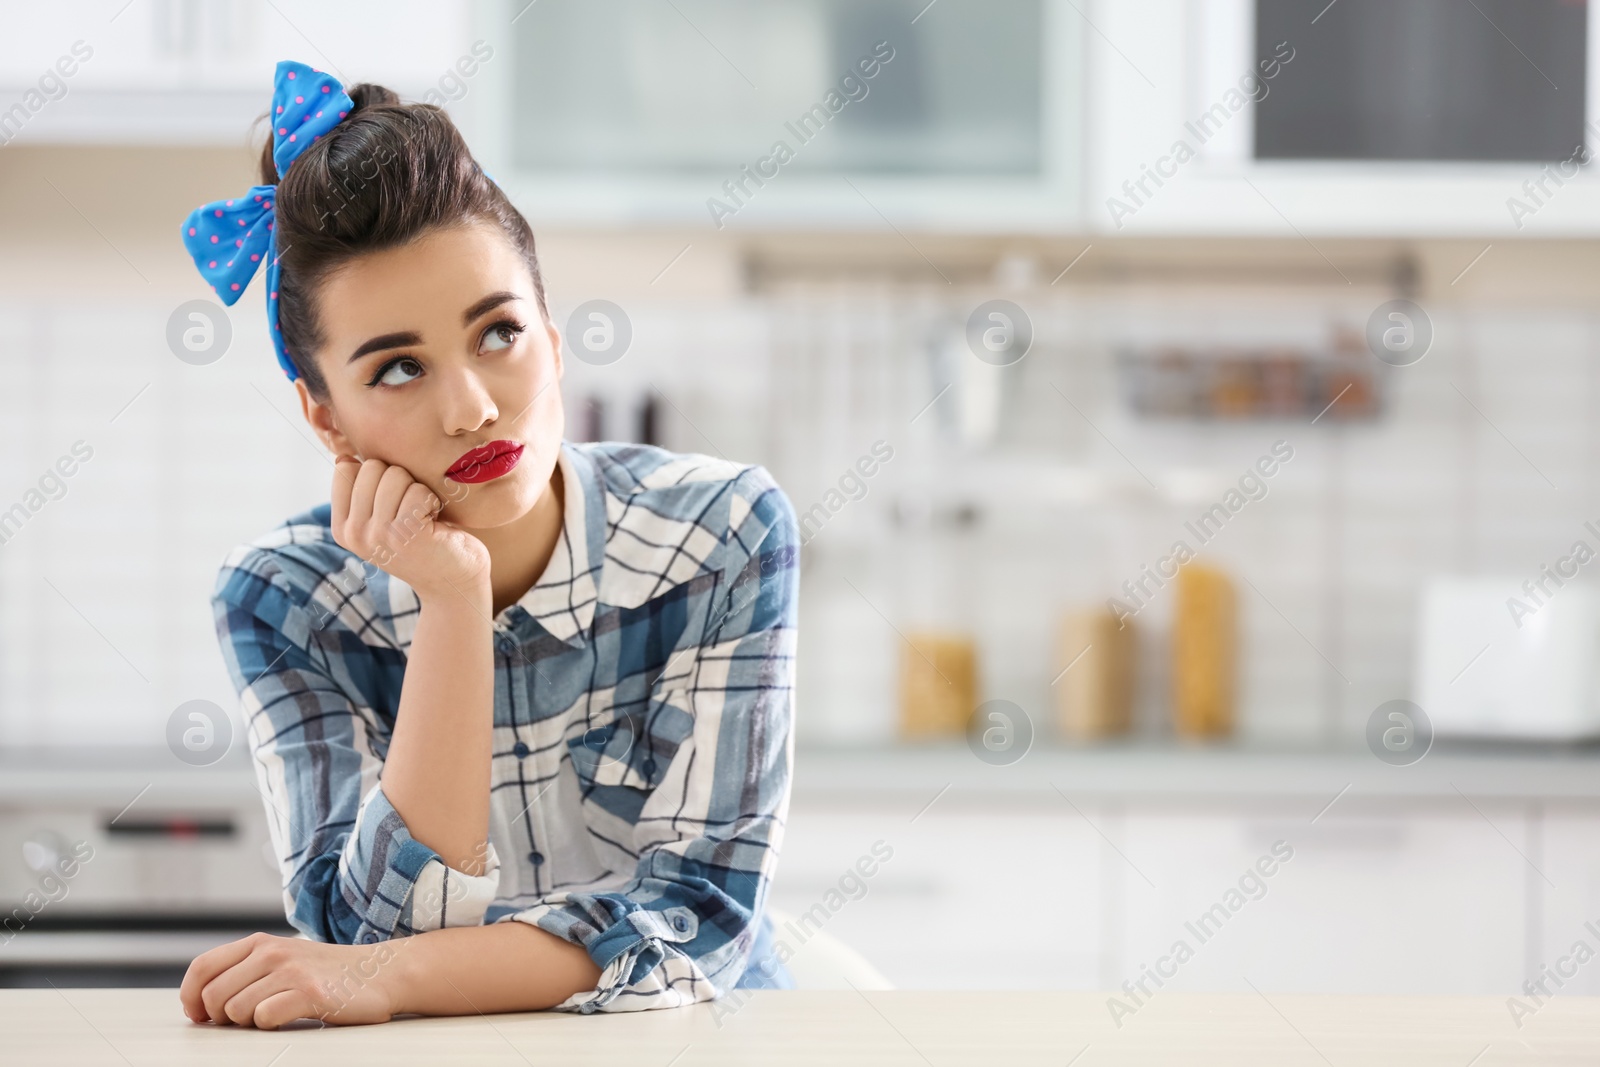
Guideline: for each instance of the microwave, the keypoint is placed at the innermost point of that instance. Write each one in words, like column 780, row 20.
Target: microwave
column 1422, row 81
column 1344, row 118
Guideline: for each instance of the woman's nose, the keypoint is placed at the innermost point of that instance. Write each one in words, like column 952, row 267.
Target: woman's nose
column 470, row 406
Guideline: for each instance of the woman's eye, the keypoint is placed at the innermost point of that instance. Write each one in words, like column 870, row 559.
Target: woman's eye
column 399, row 372
column 501, row 336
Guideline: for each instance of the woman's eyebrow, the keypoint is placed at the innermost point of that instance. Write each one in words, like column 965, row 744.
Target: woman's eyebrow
column 411, row 337
column 388, row 340
column 493, row 300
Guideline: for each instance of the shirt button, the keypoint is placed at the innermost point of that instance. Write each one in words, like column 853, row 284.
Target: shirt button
column 520, row 749
column 648, row 767
column 536, row 857
column 679, row 923
column 506, row 642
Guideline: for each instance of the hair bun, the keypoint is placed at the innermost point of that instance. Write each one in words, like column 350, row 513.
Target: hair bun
column 363, row 96
column 368, row 95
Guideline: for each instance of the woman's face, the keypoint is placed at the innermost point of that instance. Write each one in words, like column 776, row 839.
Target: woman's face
column 439, row 360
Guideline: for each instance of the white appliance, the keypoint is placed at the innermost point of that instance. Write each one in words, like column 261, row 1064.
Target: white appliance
column 1494, row 661
column 1187, row 59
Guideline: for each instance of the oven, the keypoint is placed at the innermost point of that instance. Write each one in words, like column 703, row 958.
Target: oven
column 119, row 866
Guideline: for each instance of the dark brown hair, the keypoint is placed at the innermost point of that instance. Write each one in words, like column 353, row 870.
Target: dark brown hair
column 384, row 176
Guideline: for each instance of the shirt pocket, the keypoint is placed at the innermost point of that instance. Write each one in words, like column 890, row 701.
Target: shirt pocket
column 633, row 748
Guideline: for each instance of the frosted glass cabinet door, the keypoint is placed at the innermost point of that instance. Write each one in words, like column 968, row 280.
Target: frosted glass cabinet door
column 638, row 86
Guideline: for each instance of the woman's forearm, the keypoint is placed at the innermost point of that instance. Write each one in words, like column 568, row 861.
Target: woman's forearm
column 436, row 773
column 505, row 966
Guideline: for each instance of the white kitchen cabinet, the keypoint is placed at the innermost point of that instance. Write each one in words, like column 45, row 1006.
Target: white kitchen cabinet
column 977, row 895
column 200, row 71
column 1567, row 851
column 1425, row 896
column 1427, row 900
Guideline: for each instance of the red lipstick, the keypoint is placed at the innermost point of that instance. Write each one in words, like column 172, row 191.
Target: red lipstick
column 486, row 463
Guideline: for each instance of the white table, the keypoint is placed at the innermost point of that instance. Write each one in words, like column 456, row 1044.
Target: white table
column 142, row 1027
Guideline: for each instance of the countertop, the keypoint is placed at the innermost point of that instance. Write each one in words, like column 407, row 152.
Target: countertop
column 1144, row 771
column 70, row 1027
column 1133, row 771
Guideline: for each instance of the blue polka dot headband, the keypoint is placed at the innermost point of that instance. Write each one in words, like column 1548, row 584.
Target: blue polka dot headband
column 229, row 239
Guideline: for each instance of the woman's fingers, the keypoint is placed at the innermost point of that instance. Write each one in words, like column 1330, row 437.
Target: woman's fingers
column 284, row 1007
column 205, row 968
column 225, row 988
column 275, row 980
column 416, row 507
column 202, row 969
column 383, row 508
column 384, row 515
column 344, row 480
column 239, row 1007
column 274, row 1000
column 361, row 494
column 386, row 501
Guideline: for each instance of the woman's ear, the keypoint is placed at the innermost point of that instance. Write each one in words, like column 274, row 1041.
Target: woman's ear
column 555, row 346
column 321, row 419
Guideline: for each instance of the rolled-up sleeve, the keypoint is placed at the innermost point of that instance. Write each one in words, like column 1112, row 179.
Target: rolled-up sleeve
column 352, row 873
column 708, row 834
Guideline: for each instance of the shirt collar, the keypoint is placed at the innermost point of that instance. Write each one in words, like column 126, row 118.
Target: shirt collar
column 562, row 601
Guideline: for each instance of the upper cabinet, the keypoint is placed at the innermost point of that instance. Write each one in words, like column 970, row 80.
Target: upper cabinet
column 1350, row 118
column 200, row 71
column 1140, row 117
column 947, row 114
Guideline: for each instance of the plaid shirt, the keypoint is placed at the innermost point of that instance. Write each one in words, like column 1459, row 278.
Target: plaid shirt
column 643, row 705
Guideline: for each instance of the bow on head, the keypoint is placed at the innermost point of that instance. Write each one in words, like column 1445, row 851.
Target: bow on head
column 229, row 239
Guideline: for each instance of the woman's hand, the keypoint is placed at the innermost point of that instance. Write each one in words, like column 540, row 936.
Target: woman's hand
column 266, row 981
column 384, row 515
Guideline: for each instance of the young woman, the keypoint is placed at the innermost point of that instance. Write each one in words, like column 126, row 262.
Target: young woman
column 520, row 708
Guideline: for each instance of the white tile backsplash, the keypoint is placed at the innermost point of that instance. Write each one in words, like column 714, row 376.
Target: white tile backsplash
column 805, row 380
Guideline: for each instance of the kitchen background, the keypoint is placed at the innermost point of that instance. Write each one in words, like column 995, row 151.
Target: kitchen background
column 1180, row 328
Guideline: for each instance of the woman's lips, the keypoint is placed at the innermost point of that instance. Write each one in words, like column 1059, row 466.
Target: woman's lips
column 491, row 461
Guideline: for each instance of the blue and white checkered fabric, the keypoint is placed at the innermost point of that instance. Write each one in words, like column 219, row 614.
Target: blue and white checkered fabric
column 643, row 712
